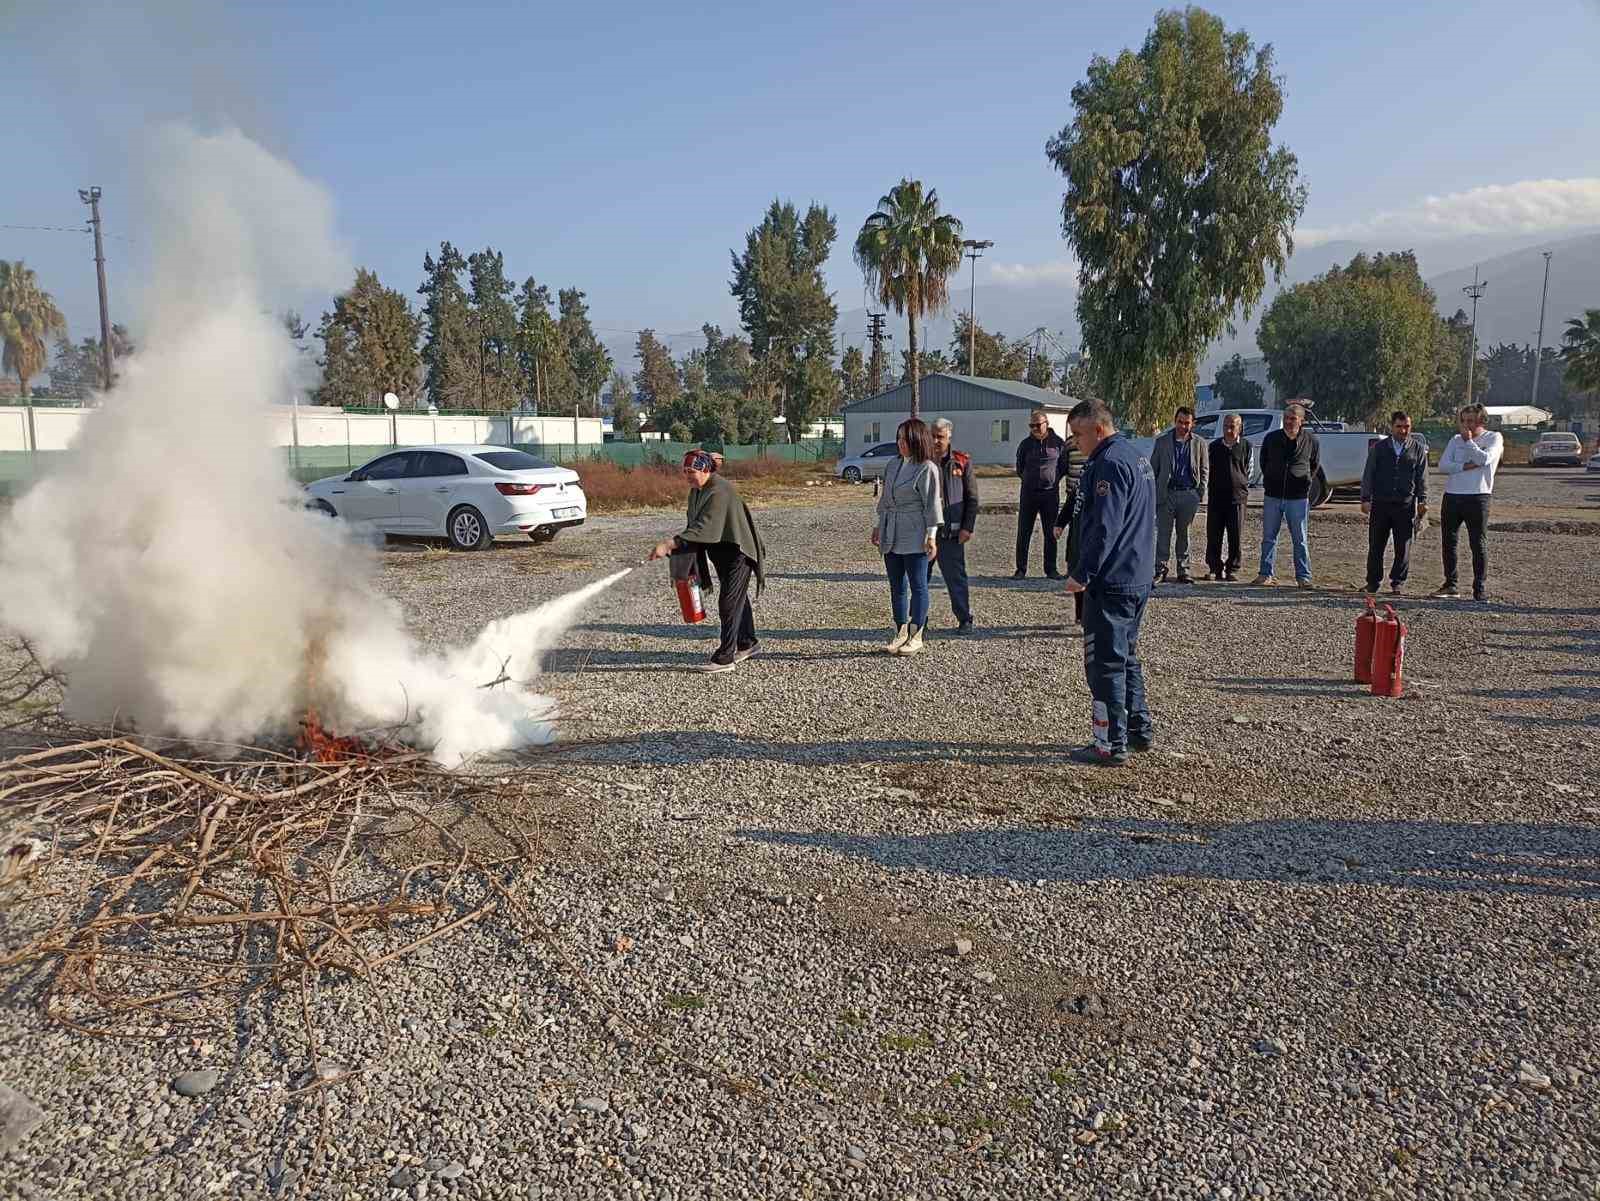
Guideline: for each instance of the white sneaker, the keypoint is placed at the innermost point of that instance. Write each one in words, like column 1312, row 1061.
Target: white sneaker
column 899, row 640
column 913, row 644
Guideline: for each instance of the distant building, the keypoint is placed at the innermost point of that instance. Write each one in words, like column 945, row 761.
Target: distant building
column 1517, row 416
column 989, row 417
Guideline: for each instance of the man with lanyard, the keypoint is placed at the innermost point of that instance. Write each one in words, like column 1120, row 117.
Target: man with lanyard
column 960, row 492
column 1041, row 462
column 1113, row 569
column 1180, row 463
column 1394, row 494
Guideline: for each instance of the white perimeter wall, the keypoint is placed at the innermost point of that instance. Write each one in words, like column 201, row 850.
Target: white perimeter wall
column 57, row 428
column 972, row 431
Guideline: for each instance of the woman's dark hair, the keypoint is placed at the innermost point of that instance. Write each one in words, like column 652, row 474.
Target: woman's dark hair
column 919, row 446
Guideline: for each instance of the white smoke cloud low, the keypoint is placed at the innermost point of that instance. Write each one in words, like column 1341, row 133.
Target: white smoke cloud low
column 168, row 564
column 1058, row 271
column 1532, row 206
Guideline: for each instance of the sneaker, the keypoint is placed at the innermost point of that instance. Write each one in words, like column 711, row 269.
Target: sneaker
column 1209, row 576
column 1448, row 592
column 1095, row 757
column 964, row 628
column 739, row 656
column 1141, row 745
column 1185, row 578
column 901, row 633
column 1264, row 581
column 713, row 668
column 1305, row 583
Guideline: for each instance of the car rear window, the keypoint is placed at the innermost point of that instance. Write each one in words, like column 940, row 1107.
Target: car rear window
column 1568, row 438
column 511, row 460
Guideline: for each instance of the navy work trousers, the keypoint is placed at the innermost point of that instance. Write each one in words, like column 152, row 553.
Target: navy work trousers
column 1111, row 662
column 952, row 564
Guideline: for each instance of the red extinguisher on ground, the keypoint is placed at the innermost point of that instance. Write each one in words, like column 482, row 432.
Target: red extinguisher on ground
column 1389, row 655
column 1366, row 628
column 686, row 582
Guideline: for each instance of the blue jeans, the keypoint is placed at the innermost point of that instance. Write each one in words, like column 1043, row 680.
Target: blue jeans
column 1111, row 662
column 904, row 570
column 1274, row 513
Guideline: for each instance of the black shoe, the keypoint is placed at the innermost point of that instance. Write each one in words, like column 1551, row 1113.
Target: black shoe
column 1481, row 597
column 1141, row 745
column 1448, row 592
column 1370, row 590
column 1230, row 577
column 1054, row 575
column 1095, row 757
column 1185, row 578
column 1396, row 587
column 964, row 628
column 1019, row 575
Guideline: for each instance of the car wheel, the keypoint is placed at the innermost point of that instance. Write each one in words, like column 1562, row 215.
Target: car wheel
column 852, row 475
column 1320, row 492
column 467, row 530
column 545, row 533
column 322, row 508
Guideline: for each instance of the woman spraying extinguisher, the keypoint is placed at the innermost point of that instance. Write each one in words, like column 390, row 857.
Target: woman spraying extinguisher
column 721, row 532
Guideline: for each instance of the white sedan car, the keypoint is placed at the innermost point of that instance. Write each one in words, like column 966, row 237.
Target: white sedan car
column 467, row 494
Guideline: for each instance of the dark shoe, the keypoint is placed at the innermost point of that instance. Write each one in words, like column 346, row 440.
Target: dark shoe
column 1140, row 745
column 1054, row 575
column 1185, row 578
column 964, row 628
column 1095, row 757
column 1448, row 592
column 1396, row 587
column 712, row 668
column 1161, row 572
column 1481, row 597
column 1019, row 575
column 744, row 652
column 1230, row 577
column 1370, row 590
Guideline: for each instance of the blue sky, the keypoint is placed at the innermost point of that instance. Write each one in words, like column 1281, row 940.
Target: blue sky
column 626, row 147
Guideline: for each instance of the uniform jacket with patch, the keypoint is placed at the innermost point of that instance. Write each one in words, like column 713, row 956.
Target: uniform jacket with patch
column 1116, row 520
column 960, row 490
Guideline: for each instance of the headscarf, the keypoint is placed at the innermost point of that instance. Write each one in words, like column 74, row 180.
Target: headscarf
column 702, row 460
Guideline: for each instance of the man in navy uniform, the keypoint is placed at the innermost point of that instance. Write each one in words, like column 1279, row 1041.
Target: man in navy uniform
column 1114, row 569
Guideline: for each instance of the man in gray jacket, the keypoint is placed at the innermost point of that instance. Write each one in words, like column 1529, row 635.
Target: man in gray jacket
column 1180, row 463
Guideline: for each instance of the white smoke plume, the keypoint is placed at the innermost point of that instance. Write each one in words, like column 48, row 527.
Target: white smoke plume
column 168, row 566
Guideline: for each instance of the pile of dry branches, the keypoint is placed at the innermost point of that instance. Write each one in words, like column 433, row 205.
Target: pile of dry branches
column 162, row 890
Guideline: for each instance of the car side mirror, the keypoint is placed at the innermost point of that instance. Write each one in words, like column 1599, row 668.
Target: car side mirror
column 355, row 477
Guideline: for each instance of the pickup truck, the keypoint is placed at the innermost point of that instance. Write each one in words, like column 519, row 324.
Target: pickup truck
column 1343, row 457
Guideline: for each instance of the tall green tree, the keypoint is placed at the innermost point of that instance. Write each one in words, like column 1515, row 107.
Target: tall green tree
column 877, row 369
column 447, row 350
column 590, row 360
column 729, row 365
column 75, row 371
column 1507, row 378
column 1357, row 340
column 28, row 318
column 853, row 375
column 1580, row 351
column 369, row 344
column 907, row 251
column 1452, row 345
column 657, row 379
column 1041, row 371
column 1235, row 389
column 1177, row 203
column 814, row 396
column 929, row 362
column 541, row 356
column 1078, row 381
column 492, row 321
column 997, row 357
column 784, row 303
column 624, row 412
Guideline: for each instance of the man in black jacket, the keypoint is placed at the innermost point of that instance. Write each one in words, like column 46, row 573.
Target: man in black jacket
column 1394, row 494
column 1290, row 460
column 1227, row 490
column 959, row 489
column 1041, row 462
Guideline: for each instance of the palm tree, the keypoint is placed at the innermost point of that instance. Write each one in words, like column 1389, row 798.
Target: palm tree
column 1582, row 351
column 27, row 317
column 907, row 251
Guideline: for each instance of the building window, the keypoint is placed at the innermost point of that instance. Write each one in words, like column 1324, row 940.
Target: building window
column 870, row 434
column 1000, row 431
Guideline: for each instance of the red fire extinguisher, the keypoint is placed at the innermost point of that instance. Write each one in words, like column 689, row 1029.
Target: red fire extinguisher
column 1389, row 655
column 686, row 581
column 1366, row 627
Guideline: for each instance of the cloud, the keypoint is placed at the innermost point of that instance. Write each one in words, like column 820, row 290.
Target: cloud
column 1532, row 206
column 1059, row 271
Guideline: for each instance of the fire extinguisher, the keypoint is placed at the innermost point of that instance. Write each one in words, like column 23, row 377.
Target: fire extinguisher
column 1366, row 627
column 686, row 582
column 1389, row 655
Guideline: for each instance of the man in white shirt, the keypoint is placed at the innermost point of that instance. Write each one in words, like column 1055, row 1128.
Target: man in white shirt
column 1470, row 460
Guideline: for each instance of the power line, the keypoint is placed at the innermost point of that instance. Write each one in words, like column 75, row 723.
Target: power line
column 65, row 229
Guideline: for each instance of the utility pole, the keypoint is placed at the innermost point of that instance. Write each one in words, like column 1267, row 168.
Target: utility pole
column 1475, row 290
column 875, row 364
column 91, row 197
column 974, row 251
column 1538, row 352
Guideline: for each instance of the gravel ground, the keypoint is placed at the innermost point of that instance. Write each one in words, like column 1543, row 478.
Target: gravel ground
column 1315, row 945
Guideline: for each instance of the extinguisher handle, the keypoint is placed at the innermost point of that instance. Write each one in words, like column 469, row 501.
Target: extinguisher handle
column 1391, row 615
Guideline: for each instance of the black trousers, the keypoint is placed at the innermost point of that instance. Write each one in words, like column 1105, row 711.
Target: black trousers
column 1390, row 519
column 1042, row 507
column 734, row 572
column 1474, row 512
column 1224, row 516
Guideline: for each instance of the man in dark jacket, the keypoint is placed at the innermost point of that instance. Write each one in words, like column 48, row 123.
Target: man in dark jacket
column 1067, row 523
column 1041, row 462
column 959, row 489
column 1394, row 494
column 1228, row 490
column 1114, row 569
column 1290, row 460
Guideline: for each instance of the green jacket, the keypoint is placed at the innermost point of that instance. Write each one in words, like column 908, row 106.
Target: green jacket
column 717, row 515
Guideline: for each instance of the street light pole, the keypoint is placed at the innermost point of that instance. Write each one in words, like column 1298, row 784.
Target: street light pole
column 1538, row 353
column 91, row 197
column 974, row 251
column 1475, row 290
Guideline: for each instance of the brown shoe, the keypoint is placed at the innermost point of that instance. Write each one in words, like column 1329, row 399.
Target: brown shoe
column 1306, row 584
column 1264, row 581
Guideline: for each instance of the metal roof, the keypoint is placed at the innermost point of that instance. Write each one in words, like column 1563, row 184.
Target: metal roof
column 945, row 393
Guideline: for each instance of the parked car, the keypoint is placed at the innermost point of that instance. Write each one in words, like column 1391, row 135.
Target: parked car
column 1343, row 452
column 870, row 464
column 1594, row 461
column 467, row 494
column 1557, row 448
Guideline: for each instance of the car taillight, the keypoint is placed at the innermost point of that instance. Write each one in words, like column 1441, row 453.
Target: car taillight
column 518, row 489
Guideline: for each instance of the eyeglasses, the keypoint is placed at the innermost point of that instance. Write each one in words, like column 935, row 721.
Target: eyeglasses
column 1033, row 426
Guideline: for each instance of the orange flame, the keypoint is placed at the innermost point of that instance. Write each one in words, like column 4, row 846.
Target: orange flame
column 323, row 746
